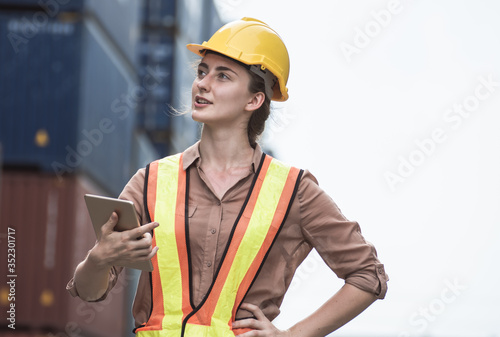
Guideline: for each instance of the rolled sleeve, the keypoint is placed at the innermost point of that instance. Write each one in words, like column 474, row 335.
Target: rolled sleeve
column 372, row 279
column 113, row 278
column 339, row 241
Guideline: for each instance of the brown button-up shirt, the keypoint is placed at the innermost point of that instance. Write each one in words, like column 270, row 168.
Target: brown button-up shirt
column 314, row 221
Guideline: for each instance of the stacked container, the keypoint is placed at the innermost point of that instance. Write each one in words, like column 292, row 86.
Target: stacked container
column 156, row 56
column 47, row 221
column 69, row 87
column 67, row 127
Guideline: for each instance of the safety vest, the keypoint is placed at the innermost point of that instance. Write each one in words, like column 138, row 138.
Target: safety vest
column 263, row 213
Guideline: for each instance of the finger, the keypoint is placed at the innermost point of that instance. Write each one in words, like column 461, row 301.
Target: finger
column 153, row 252
column 255, row 310
column 247, row 323
column 109, row 226
column 141, row 244
column 145, row 240
column 242, row 323
column 141, row 230
column 145, row 254
column 147, row 237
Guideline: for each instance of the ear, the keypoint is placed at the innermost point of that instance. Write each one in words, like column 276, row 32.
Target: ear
column 255, row 102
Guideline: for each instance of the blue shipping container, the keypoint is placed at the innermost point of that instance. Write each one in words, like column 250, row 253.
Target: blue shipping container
column 159, row 13
column 69, row 98
column 109, row 96
column 122, row 21
column 50, row 7
column 39, row 87
column 156, row 57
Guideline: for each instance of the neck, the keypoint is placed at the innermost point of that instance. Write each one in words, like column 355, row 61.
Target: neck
column 224, row 149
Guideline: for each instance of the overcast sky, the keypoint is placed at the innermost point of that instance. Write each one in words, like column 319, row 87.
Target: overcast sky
column 394, row 107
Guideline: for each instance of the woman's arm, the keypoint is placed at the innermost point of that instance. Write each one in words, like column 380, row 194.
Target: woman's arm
column 342, row 307
column 92, row 274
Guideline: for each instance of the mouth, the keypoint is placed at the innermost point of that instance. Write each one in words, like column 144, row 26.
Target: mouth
column 200, row 101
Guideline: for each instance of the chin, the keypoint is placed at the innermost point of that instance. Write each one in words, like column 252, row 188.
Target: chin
column 197, row 116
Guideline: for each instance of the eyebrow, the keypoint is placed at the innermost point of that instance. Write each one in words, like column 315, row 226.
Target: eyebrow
column 219, row 68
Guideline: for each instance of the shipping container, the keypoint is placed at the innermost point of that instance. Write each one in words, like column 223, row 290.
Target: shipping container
column 50, row 7
column 156, row 57
column 44, row 219
column 71, row 98
column 142, row 152
column 156, row 53
column 109, row 96
column 122, row 20
column 159, row 14
column 39, row 86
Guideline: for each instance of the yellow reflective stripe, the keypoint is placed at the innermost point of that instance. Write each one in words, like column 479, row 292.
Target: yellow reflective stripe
column 168, row 257
column 253, row 239
column 195, row 330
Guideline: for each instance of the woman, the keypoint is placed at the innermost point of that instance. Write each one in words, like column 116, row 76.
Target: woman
column 231, row 224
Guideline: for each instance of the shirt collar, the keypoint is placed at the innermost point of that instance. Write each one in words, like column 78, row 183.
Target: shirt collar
column 192, row 155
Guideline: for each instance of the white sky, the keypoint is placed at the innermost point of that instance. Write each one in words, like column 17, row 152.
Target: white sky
column 353, row 123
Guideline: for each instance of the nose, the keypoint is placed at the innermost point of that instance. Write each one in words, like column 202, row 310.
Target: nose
column 203, row 84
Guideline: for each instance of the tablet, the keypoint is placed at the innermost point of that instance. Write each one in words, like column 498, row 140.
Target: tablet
column 100, row 209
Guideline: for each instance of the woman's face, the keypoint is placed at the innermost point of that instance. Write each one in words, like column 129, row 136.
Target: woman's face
column 220, row 95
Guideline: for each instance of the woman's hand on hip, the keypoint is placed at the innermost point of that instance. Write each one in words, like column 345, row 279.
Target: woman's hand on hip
column 260, row 324
column 115, row 248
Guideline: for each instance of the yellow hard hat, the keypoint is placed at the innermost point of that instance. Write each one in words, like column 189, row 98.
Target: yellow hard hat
column 252, row 42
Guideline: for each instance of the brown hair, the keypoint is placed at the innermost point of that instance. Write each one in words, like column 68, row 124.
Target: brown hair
column 257, row 121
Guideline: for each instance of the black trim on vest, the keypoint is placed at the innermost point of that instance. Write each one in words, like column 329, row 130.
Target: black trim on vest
column 140, row 326
column 145, row 195
column 295, row 189
column 188, row 246
column 191, row 314
column 148, row 220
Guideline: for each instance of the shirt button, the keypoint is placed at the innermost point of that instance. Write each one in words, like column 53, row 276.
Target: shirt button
column 209, row 264
column 218, row 203
column 380, row 270
column 213, row 231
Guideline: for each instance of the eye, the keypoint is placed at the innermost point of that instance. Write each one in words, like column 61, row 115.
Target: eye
column 201, row 73
column 223, row 76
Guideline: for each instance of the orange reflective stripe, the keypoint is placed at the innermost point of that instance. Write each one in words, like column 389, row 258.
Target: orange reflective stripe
column 180, row 235
column 158, row 311
column 279, row 217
